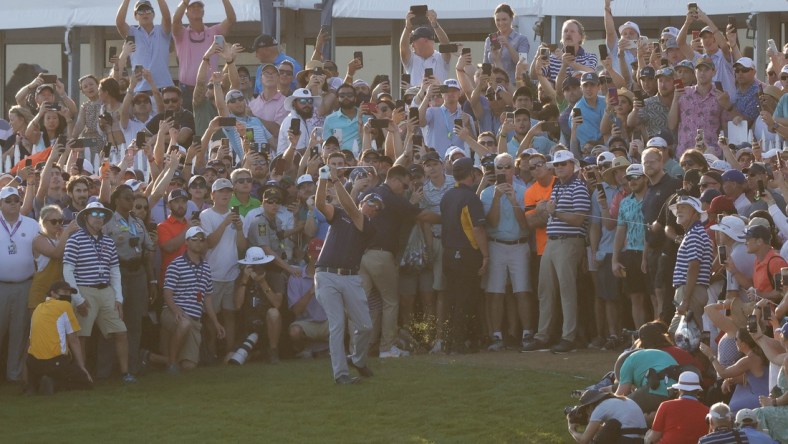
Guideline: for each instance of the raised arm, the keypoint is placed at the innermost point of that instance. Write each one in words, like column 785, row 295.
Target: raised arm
column 230, row 18
column 177, row 18
column 610, row 27
column 120, row 19
column 404, row 40
column 166, row 18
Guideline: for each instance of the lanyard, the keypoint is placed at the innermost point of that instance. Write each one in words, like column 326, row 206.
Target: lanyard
column 130, row 226
column 11, row 232
column 449, row 122
column 96, row 242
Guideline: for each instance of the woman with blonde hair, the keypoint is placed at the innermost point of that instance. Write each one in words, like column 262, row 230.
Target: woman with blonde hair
column 48, row 249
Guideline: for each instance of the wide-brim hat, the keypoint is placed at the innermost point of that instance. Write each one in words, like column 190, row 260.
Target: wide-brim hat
column 256, row 256
column 302, row 93
column 688, row 381
column 94, row 206
column 303, row 76
column 619, row 164
column 732, row 226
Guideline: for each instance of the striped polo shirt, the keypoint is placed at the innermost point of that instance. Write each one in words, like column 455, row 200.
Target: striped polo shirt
column 92, row 257
column 189, row 283
column 570, row 197
column 696, row 246
column 583, row 57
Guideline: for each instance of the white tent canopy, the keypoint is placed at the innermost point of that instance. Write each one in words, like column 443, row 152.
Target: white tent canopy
column 75, row 13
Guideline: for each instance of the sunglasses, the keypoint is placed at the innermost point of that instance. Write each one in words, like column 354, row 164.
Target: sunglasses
column 536, row 165
column 237, row 99
column 305, row 101
column 703, row 185
column 168, row 101
column 503, row 167
column 12, row 200
column 273, row 201
column 96, row 214
column 243, row 180
column 631, row 178
column 488, row 143
column 373, row 203
column 141, row 207
column 560, row 164
column 197, row 239
column 55, row 221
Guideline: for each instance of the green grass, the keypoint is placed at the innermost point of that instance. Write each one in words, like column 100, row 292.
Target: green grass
column 487, row 397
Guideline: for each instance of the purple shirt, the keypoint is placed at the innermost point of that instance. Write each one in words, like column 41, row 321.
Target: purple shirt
column 698, row 111
column 296, row 288
column 269, row 110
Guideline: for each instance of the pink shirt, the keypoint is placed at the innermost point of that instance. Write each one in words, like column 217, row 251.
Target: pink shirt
column 190, row 48
column 697, row 111
column 272, row 110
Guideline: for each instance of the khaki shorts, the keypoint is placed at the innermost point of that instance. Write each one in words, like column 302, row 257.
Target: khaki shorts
column 223, row 296
column 508, row 263
column 101, row 310
column 437, row 264
column 316, row 331
column 191, row 345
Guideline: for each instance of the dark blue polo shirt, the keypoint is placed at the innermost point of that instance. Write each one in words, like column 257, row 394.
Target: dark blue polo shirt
column 461, row 211
column 656, row 196
column 344, row 244
column 389, row 221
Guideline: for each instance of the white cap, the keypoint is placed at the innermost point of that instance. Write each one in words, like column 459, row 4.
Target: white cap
column 658, row 142
column 134, row 184
column 635, row 169
column 454, row 150
column 720, row 165
column 306, row 178
column 626, row 25
column 8, row 191
column 606, row 156
column 745, row 62
column 221, row 184
column 710, row 158
column 194, row 231
column 563, row 156
column 452, row 83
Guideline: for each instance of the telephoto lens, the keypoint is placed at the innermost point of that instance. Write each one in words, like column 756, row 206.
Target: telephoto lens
column 240, row 355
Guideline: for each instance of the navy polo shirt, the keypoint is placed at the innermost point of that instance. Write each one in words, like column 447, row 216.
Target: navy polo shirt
column 344, row 244
column 461, row 212
column 656, row 196
column 388, row 223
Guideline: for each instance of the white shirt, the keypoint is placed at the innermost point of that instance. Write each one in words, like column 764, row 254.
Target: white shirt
column 283, row 142
column 20, row 266
column 223, row 258
column 416, row 66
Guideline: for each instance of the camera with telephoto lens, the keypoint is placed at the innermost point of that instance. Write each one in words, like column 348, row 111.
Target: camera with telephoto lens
column 107, row 117
column 240, row 355
column 577, row 414
column 488, row 163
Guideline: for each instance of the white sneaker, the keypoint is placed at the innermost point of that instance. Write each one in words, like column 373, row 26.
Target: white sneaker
column 394, row 353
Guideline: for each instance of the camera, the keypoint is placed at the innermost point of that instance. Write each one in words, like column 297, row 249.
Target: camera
column 240, row 355
column 577, row 414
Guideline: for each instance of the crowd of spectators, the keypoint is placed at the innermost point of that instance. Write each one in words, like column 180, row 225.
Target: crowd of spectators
column 581, row 199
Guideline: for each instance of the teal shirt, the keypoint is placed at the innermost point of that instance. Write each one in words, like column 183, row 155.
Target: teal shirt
column 349, row 128
column 630, row 214
column 635, row 369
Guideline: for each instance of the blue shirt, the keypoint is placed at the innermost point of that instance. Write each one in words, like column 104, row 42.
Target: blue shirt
column 696, row 246
column 782, row 107
column 153, row 53
column 345, row 244
column 592, row 117
column 297, row 287
column 92, row 257
column 572, row 197
column 189, row 283
column 348, row 126
column 607, row 239
column 747, row 103
column 440, row 126
column 258, row 87
column 508, row 229
column 261, row 134
column 517, row 41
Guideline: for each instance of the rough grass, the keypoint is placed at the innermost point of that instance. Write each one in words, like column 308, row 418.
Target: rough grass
column 486, row 397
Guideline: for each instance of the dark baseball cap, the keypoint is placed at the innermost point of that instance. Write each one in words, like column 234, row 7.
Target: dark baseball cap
column 758, row 232
column 264, row 41
column 142, row 4
column 647, row 72
column 178, row 193
column 62, row 286
column 589, row 77
column 570, row 82
column 462, row 167
column 422, row 32
column 431, row 156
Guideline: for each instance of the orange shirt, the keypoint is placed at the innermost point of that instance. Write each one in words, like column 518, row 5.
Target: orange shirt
column 760, row 277
column 170, row 228
column 533, row 195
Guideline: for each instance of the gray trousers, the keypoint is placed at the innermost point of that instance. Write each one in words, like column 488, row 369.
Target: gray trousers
column 339, row 295
column 15, row 325
column 135, row 307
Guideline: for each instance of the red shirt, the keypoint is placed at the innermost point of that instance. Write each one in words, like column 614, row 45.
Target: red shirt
column 681, row 421
column 170, row 228
column 760, row 278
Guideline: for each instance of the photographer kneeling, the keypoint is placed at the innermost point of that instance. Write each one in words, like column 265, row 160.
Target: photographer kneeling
column 608, row 419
